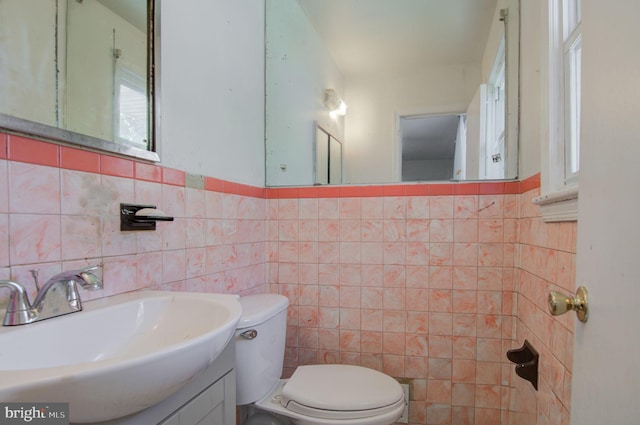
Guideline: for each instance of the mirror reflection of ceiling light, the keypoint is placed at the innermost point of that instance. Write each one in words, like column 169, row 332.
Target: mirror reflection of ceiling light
column 337, row 107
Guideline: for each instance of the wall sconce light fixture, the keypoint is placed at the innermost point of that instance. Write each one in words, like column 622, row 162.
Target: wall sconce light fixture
column 337, row 107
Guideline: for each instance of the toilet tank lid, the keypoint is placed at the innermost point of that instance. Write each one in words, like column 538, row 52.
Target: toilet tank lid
column 258, row 308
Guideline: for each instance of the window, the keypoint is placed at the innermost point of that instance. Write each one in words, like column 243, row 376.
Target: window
column 130, row 114
column 561, row 165
column 493, row 157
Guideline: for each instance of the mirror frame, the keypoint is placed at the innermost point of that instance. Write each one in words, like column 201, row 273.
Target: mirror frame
column 15, row 125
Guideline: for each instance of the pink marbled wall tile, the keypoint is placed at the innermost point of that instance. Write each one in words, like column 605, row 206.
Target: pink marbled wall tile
column 195, row 203
column 466, row 230
column 394, row 230
column 119, row 275
column 395, row 208
column 418, row 207
column 465, row 206
column 173, row 266
column 329, row 295
column 328, row 208
column 465, row 254
column 393, row 343
column 464, row 347
column 490, row 254
column 195, row 262
column 350, row 208
column 393, row 365
column 350, row 253
column 394, row 320
column 490, row 230
column 4, row 186
column 34, row 238
column 80, row 193
column 4, row 240
column 174, row 233
column 214, row 204
column 308, row 209
column 349, row 230
column 441, row 230
column 350, row 274
column 418, row 253
column 372, row 253
column 440, row 254
column 372, row 230
column 394, row 276
column 195, row 235
column 417, row 276
column 328, row 230
column 418, row 230
column 173, row 201
column 441, row 277
column 372, row 208
column 308, row 252
column 441, row 207
column 149, row 269
column 464, row 301
column 395, row 253
column 465, row 277
column 80, row 237
column 33, row 188
column 288, row 209
column 288, row 230
column 491, row 206
column 464, row 325
column 308, row 230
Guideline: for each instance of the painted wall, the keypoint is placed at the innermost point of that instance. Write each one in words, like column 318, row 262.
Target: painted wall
column 371, row 156
column 299, row 69
column 31, row 28
column 212, row 89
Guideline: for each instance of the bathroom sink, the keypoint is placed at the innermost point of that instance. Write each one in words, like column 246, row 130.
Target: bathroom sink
column 119, row 355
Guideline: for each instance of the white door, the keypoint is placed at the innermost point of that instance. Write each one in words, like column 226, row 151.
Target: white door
column 606, row 372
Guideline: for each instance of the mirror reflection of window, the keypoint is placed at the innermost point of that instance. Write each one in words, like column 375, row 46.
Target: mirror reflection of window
column 130, row 102
column 494, row 155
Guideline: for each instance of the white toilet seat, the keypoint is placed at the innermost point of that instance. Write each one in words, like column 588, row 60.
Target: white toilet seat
column 340, row 413
column 341, row 392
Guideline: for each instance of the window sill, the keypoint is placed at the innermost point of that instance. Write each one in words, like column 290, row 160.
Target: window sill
column 559, row 206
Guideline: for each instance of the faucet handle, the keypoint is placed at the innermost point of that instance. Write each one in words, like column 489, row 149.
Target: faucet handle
column 89, row 280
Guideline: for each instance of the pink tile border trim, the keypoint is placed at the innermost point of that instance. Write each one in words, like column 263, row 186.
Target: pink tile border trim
column 23, row 149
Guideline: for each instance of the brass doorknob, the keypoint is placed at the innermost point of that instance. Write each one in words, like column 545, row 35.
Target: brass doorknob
column 560, row 303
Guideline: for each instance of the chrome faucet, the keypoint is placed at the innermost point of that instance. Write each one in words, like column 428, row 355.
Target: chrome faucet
column 57, row 297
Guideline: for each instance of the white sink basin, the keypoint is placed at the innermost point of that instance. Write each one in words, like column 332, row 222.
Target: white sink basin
column 119, row 355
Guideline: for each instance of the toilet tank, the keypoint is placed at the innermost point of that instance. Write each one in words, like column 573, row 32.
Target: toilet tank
column 260, row 340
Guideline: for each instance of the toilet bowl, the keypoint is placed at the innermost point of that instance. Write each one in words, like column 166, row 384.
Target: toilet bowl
column 315, row 394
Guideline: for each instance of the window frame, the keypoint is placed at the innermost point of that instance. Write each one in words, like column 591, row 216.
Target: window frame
column 559, row 198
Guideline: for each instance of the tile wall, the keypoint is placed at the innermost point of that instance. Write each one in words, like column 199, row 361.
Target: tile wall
column 428, row 283
column 431, row 284
column 59, row 210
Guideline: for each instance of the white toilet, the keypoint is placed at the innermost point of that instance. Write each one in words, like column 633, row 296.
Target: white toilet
column 315, row 394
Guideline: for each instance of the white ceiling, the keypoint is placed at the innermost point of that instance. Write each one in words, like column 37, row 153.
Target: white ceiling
column 134, row 11
column 384, row 35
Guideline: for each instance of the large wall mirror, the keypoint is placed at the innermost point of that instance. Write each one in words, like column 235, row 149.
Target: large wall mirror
column 404, row 69
column 81, row 72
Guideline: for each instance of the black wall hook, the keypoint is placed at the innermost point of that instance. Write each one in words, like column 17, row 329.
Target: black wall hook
column 526, row 360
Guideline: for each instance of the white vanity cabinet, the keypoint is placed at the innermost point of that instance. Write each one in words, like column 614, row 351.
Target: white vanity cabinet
column 209, row 399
